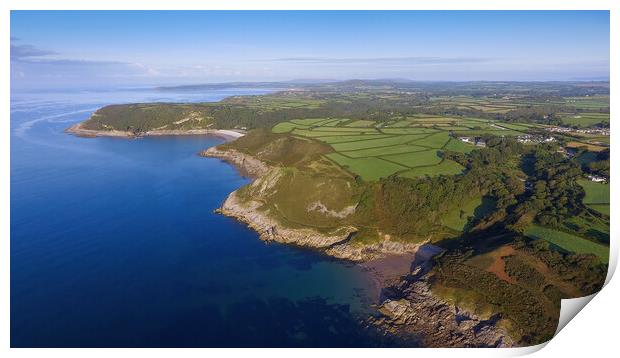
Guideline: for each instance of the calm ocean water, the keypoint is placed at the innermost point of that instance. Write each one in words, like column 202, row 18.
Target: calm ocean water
column 114, row 243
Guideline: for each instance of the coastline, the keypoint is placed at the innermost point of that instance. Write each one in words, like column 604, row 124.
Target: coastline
column 336, row 243
column 79, row 131
column 400, row 272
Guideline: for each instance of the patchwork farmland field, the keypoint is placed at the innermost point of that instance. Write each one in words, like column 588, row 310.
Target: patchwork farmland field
column 584, row 119
column 413, row 146
column 410, row 147
column 508, row 103
column 568, row 242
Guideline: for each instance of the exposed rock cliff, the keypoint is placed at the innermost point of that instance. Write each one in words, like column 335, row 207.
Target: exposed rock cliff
column 409, row 307
column 246, row 163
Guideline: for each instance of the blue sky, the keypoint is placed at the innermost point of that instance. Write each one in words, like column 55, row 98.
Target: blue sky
column 101, row 48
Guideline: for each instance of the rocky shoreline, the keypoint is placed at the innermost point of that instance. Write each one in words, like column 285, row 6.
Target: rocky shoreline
column 80, row 131
column 335, row 244
column 407, row 307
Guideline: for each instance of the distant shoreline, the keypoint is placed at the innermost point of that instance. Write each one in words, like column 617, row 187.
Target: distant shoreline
column 79, row 131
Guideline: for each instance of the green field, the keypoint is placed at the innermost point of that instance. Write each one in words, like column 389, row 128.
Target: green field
column 446, row 167
column 361, row 123
column 376, row 152
column 369, row 168
column 415, row 159
column 456, row 145
column 459, row 216
column 436, row 140
column 334, row 139
column 408, row 130
column 569, row 242
column 596, row 193
column 410, row 146
column 308, row 121
column 286, row 127
column 584, row 119
column 601, row 208
column 373, row 143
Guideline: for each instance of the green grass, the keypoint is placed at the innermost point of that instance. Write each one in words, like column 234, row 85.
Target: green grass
column 400, row 124
column 324, row 133
column 344, row 129
column 458, row 217
column 481, row 132
column 436, row 140
column 455, row 128
column 361, row 123
column 308, row 121
column 515, row 126
column 333, row 122
column 373, row 143
column 435, row 119
column 408, row 146
column 569, row 242
column 596, row 193
column 601, row 208
column 286, row 127
column 375, row 152
column 412, row 130
column 456, row 145
column 584, row 119
column 350, row 138
column 416, row 159
column 447, row 167
column 367, row 168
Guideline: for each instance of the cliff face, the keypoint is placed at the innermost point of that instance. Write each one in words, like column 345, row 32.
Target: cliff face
column 409, row 307
column 246, row 163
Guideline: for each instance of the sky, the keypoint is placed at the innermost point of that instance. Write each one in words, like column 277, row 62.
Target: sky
column 143, row 48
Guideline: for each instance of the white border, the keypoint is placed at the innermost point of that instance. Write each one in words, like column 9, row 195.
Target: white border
column 593, row 332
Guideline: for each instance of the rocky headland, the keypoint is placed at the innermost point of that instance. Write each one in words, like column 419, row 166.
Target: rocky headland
column 406, row 306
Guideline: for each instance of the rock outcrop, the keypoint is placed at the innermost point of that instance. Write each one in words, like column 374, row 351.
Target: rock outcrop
column 246, row 163
column 270, row 230
column 410, row 308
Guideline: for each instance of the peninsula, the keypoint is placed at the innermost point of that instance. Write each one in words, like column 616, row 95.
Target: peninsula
column 496, row 193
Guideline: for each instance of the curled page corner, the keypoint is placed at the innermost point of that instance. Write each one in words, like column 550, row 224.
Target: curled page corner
column 570, row 308
column 522, row 351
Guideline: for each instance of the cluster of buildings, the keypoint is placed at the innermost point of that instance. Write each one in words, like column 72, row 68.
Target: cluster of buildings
column 531, row 138
column 596, row 131
column 473, row 140
column 596, row 178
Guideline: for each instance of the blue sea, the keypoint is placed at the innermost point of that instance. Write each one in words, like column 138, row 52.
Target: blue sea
column 114, row 243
